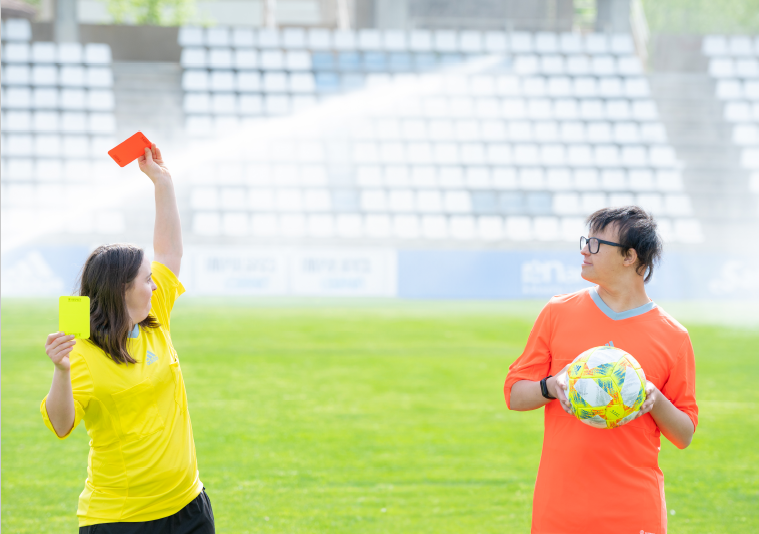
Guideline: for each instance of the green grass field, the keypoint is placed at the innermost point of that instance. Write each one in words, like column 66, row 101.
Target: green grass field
column 343, row 416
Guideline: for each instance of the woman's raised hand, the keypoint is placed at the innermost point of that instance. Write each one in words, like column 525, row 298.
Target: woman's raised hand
column 58, row 347
column 152, row 164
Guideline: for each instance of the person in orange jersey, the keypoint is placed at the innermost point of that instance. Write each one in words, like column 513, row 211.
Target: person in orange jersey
column 591, row 480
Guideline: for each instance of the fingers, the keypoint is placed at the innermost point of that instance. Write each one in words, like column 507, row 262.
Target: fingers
column 156, row 152
column 149, row 155
column 55, row 340
column 52, row 337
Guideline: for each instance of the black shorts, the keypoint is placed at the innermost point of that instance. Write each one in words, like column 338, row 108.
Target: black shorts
column 195, row 518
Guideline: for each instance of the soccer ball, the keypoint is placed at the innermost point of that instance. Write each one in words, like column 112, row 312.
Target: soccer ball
column 606, row 387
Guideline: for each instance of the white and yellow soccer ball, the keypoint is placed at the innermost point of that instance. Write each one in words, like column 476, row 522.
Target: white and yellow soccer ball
column 606, row 387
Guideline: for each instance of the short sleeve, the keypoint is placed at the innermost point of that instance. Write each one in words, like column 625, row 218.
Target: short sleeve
column 535, row 362
column 82, row 388
column 169, row 289
column 680, row 387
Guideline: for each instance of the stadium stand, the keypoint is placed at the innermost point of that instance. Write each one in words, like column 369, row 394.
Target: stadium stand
column 734, row 65
column 554, row 127
column 58, row 124
column 496, row 137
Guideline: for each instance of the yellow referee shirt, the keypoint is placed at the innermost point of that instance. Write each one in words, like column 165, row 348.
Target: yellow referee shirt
column 142, row 463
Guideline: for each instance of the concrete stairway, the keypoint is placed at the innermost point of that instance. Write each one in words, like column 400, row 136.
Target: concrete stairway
column 149, row 98
column 702, row 139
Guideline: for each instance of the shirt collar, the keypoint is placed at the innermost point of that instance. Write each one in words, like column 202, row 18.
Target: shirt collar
column 614, row 316
column 135, row 333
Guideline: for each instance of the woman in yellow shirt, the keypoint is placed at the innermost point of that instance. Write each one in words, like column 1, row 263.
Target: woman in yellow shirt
column 126, row 383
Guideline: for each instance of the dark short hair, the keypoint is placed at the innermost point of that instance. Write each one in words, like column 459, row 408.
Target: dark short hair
column 107, row 274
column 637, row 230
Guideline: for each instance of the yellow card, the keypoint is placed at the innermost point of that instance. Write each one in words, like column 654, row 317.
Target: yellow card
column 74, row 316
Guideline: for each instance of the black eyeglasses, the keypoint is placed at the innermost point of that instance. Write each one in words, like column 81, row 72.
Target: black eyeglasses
column 594, row 244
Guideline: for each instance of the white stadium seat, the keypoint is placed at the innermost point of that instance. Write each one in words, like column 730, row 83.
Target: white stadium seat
column 729, row 89
column 344, row 40
column 17, row 98
column 16, row 52
column 43, row 52
column 272, row 60
column 714, row 45
column 217, row 37
column 70, row 53
column 746, row 68
column 243, row 37
column 394, row 40
column 47, row 75
column 17, row 30
column 445, row 41
column 75, row 99
column 97, row 54
column 546, row 43
column 249, row 81
column 596, row 43
column 268, row 38
column 495, row 42
column 194, row 57
column 222, row 81
column 570, row 43
column 621, row 44
column 220, row 58
column 741, row 45
column 470, row 42
column 369, row 39
column 520, row 42
column 294, row 38
column 722, row 68
column 195, row 80
column 190, row 36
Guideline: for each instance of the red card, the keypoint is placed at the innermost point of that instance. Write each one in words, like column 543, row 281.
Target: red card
column 130, row 150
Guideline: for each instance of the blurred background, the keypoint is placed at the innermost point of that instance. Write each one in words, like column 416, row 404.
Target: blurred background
column 395, row 148
column 435, row 160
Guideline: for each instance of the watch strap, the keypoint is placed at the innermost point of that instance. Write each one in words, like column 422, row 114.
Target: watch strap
column 544, row 388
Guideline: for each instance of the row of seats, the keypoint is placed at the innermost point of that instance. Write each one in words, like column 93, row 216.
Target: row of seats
column 476, row 86
column 415, row 40
column 64, row 99
column 496, row 154
column 62, row 53
column 568, row 132
column 732, row 89
column 51, row 145
column 486, row 228
column 741, row 111
column 53, row 121
column 525, row 178
column 16, row 30
column 435, row 107
column 51, row 75
column 48, row 166
column 725, row 67
column 48, row 215
column 301, row 60
column 426, row 201
column 735, row 45
column 76, row 170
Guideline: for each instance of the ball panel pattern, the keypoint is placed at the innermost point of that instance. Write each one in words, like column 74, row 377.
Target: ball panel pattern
column 606, row 387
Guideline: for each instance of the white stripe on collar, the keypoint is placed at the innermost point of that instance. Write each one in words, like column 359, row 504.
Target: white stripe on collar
column 611, row 314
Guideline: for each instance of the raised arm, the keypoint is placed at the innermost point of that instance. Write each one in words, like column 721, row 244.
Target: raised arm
column 167, row 236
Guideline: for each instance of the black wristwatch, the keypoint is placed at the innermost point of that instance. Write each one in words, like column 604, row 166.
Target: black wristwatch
column 544, row 388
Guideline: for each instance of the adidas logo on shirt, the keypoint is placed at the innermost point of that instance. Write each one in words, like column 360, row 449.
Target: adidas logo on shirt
column 151, row 358
column 609, row 344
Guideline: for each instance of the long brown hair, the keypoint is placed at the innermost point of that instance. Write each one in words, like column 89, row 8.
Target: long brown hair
column 106, row 276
